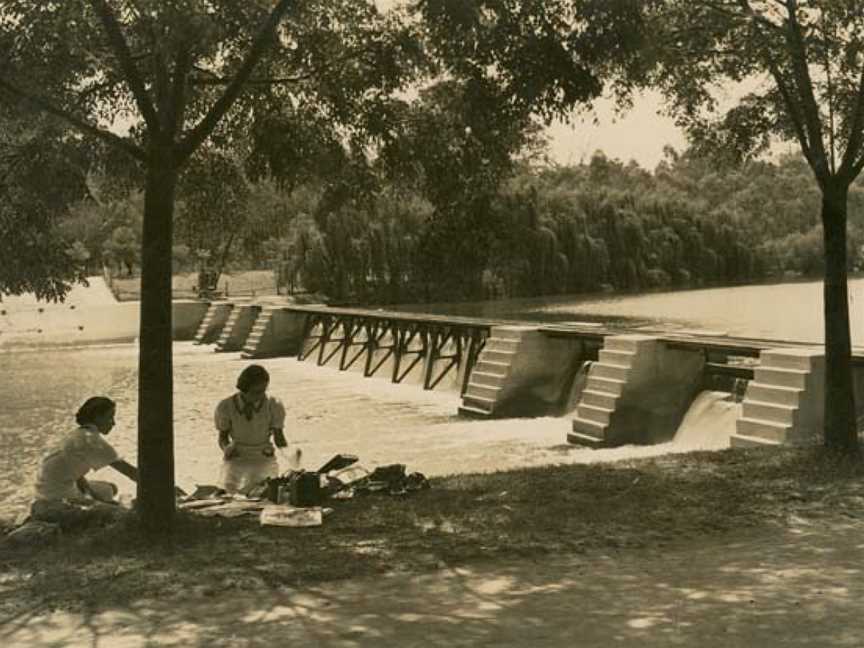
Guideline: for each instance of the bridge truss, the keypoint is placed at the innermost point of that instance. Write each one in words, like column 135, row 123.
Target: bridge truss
column 439, row 345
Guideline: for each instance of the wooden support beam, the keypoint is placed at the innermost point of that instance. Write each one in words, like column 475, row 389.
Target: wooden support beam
column 311, row 321
column 350, row 328
column 376, row 345
column 403, row 350
column 325, row 337
column 440, row 340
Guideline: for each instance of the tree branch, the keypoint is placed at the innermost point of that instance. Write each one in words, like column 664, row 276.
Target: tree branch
column 853, row 146
column 788, row 100
column 124, row 56
column 217, row 80
column 177, row 113
column 800, row 68
column 221, row 106
column 85, row 127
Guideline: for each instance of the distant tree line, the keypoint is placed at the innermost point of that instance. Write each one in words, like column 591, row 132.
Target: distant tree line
column 543, row 229
column 601, row 225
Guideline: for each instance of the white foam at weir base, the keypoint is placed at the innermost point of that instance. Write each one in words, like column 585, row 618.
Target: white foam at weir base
column 709, row 423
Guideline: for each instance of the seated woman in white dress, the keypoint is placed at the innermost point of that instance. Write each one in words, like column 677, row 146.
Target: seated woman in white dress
column 249, row 423
column 63, row 494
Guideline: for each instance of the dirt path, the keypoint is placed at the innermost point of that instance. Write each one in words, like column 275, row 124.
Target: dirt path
column 797, row 587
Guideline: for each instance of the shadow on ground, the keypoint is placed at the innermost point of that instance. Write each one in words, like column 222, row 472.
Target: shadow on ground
column 800, row 586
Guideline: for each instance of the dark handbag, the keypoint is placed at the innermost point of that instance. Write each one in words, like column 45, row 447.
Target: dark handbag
column 305, row 489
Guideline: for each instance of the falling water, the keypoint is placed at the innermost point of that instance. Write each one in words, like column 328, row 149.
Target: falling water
column 709, row 423
column 580, row 379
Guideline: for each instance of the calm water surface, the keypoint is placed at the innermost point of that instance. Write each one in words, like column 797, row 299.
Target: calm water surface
column 790, row 311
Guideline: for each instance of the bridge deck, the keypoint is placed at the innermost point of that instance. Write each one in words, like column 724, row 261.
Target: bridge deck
column 731, row 345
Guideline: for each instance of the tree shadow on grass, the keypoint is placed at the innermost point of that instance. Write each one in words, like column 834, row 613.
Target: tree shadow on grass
column 800, row 586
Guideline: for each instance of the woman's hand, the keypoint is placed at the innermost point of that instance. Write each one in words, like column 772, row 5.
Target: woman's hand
column 229, row 452
column 279, row 438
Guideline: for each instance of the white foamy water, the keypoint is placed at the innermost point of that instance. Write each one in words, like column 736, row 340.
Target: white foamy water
column 709, row 423
column 328, row 412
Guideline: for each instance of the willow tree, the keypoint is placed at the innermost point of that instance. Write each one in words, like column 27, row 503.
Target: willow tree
column 801, row 63
column 181, row 72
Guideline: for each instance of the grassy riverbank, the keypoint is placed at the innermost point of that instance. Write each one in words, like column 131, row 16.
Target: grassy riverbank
column 463, row 519
column 245, row 283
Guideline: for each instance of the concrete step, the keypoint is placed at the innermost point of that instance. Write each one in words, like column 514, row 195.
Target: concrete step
column 487, row 379
column 593, row 413
column 794, row 378
column 741, row 441
column 599, row 399
column 482, row 391
column 201, row 333
column 495, row 355
column 605, row 385
column 783, row 414
column 618, row 358
column 579, row 438
column 762, row 429
column 477, row 402
column 511, row 332
column 490, row 367
column 626, row 342
column 801, row 359
column 590, row 433
column 503, row 344
column 473, row 412
column 773, row 394
column 602, row 370
column 205, row 324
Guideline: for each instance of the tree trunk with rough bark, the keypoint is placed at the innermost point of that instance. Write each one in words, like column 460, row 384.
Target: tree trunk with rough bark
column 155, row 371
column 840, row 419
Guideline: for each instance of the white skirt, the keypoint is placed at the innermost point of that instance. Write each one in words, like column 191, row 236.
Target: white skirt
column 240, row 474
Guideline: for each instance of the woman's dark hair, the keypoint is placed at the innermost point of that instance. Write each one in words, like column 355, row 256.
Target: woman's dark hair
column 252, row 375
column 93, row 408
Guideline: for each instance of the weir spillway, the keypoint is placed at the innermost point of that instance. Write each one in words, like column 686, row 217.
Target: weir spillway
column 609, row 385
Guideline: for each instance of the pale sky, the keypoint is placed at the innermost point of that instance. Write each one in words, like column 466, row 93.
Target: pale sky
column 640, row 134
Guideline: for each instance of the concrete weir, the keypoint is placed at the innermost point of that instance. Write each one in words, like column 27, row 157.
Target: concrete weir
column 610, row 387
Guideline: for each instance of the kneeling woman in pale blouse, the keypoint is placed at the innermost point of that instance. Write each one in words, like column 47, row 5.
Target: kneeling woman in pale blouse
column 63, row 494
column 249, row 424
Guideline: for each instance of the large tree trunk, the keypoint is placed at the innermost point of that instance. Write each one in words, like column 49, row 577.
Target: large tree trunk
column 155, row 385
column 840, row 424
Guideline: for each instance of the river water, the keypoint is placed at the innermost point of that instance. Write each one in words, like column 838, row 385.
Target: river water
column 331, row 411
column 783, row 311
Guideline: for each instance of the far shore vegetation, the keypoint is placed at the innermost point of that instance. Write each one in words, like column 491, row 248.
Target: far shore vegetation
column 463, row 520
column 603, row 225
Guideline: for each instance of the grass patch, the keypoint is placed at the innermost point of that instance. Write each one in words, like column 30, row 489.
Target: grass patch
column 462, row 519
